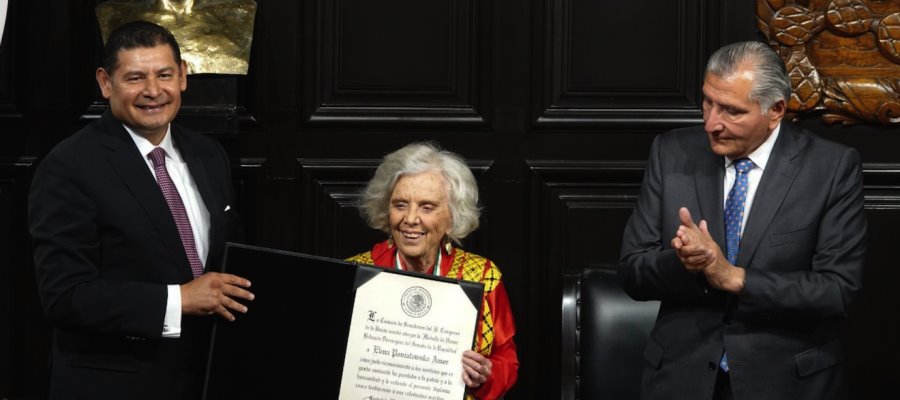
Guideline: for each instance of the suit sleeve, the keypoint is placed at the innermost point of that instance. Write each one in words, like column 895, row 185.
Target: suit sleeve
column 827, row 286
column 648, row 267
column 67, row 256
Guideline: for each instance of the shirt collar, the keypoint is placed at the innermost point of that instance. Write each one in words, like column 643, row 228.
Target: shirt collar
column 145, row 147
column 760, row 156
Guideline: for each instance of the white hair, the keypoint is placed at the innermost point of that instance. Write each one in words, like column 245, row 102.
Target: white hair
column 771, row 83
column 415, row 158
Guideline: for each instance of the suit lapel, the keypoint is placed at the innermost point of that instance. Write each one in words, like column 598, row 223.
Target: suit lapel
column 127, row 162
column 773, row 186
column 708, row 179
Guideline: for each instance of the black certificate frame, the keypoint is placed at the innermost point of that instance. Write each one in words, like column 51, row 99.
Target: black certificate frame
column 299, row 321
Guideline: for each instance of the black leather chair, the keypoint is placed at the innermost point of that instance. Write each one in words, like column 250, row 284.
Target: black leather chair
column 603, row 336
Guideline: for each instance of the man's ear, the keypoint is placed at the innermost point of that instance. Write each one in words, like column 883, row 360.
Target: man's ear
column 104, row 81
column 182, row 75
column 776, row 113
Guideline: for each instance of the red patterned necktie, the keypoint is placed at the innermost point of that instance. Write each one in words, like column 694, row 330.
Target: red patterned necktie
column 179, row 213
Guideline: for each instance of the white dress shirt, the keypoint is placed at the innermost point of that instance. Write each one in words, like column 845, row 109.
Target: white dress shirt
column 196, row 210
column 760, row 158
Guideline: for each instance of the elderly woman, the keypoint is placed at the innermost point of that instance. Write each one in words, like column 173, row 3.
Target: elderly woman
column 425, row 199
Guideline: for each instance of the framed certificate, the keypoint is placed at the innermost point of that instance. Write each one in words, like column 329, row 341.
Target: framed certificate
column 364, row 331
column 407, row 335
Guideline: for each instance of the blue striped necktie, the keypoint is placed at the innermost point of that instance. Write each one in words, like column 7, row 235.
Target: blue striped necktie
column 734, row 214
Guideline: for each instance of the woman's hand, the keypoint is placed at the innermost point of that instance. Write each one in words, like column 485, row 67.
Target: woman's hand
column 476, row 369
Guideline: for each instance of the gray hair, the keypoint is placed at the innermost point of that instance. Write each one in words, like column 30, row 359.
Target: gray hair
column 415, row 158
column 771, row 83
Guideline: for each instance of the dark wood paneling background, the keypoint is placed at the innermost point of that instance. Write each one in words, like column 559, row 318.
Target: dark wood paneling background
column 554, row 101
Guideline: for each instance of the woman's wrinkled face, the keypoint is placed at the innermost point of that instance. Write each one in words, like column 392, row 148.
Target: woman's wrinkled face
column 420, row 217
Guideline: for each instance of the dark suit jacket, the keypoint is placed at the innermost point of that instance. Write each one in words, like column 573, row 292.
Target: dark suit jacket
column 105, row 247
column 802, row 248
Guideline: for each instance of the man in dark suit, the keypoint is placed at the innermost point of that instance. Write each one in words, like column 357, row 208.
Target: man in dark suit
column 753, row 295
column 126, row 216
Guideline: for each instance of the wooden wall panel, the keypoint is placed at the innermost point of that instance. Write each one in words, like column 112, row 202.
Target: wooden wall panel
column 577, row 212
column 9, row 107
column 332, row 225
column 249, row 179
column 583, row 206
column 397, row 62
column 869, row 357
column 11, row 118
column 6, row 283
column 24, row 337
column 587, row 45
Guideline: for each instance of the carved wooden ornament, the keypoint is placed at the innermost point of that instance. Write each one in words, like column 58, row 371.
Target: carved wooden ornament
column 843, row 56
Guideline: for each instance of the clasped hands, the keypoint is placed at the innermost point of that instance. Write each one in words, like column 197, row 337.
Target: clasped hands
column 215, row 293
column 699, row 253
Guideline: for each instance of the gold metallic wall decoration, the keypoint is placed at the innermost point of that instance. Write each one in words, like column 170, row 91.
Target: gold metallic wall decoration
column 843, row 56
column 214, row 35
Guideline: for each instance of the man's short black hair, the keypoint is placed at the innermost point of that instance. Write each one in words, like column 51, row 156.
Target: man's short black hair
column 137, row 34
